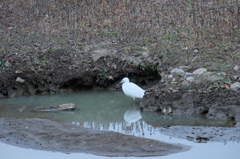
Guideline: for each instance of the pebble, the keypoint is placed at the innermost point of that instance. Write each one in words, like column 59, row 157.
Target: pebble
column 236, row 68
column 20, row 80
column 190, row 79
column 235, row 86
column 196, row 50
column 200, row 71
column 235, row 77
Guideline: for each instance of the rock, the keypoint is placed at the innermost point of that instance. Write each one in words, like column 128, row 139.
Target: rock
column 114, row 66
column 18, row 71
column 211, row 76
column 196, row 50
column 177, row 72
column 235, row 77
column 184, row 67
column 169, row 76
column 205, row 77
column 236, row 68
column 145, row 54
column 187, row 74
column 235, row 86
column 186, row 83
column 62, row 107
column 222, row 73
column 37, row 44
column 8, row 63
column 190, row 79
column 20, row 80
column 200, row 71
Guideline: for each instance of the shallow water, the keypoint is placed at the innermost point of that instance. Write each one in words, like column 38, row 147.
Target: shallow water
column 96, row 109
column 113, row 111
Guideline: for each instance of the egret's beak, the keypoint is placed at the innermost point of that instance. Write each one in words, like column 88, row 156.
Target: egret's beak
column 119, row 84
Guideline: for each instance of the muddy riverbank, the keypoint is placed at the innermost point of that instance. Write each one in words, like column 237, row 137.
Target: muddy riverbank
column 48, row 135
column 41, row 134
column 213, row 94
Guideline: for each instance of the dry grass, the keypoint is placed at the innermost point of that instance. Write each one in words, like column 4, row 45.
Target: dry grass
column 162, row 24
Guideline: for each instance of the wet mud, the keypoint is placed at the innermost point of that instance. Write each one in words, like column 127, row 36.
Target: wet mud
column 42, row 134
column 219, row 104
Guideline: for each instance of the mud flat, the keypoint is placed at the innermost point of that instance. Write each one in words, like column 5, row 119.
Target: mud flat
column 48, row 135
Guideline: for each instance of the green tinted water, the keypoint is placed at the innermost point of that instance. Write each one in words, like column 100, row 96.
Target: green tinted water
column 96, row 109
column 110, row 110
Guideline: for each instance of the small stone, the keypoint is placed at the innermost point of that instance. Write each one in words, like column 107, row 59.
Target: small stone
column 189, row 79
column 110, row 77
column 186, row 83
column 177, row 72
column 235, row 77
column 235, row 86
column 194, row 59
column 114, row 66
column 236, row 68
column 164, row 110
column 184, row 67
column 222, row 73
column 174, row 90
column 196, row 50
column 8, row 64
column 168, row 76
column 200, row 71
column 170, row 110
column 20, row 80
column 211, row 76
column 145, row 54
column 37, row 44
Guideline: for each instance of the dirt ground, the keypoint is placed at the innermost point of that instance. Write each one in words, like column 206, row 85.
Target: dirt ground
column 53, row 136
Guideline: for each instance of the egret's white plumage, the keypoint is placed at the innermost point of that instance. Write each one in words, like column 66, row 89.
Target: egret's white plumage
column 131, row 89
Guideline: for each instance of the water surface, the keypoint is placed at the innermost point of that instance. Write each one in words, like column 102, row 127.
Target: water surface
column 111, row 111
column 98, row 109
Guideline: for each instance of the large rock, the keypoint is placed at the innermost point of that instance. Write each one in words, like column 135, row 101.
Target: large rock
column 177, row 72
column 235, row 86
column 204, row 77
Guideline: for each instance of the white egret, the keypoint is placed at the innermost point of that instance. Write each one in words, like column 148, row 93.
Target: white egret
column 131, row 89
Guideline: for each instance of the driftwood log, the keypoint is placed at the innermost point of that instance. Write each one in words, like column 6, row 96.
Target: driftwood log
column 62, row 107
